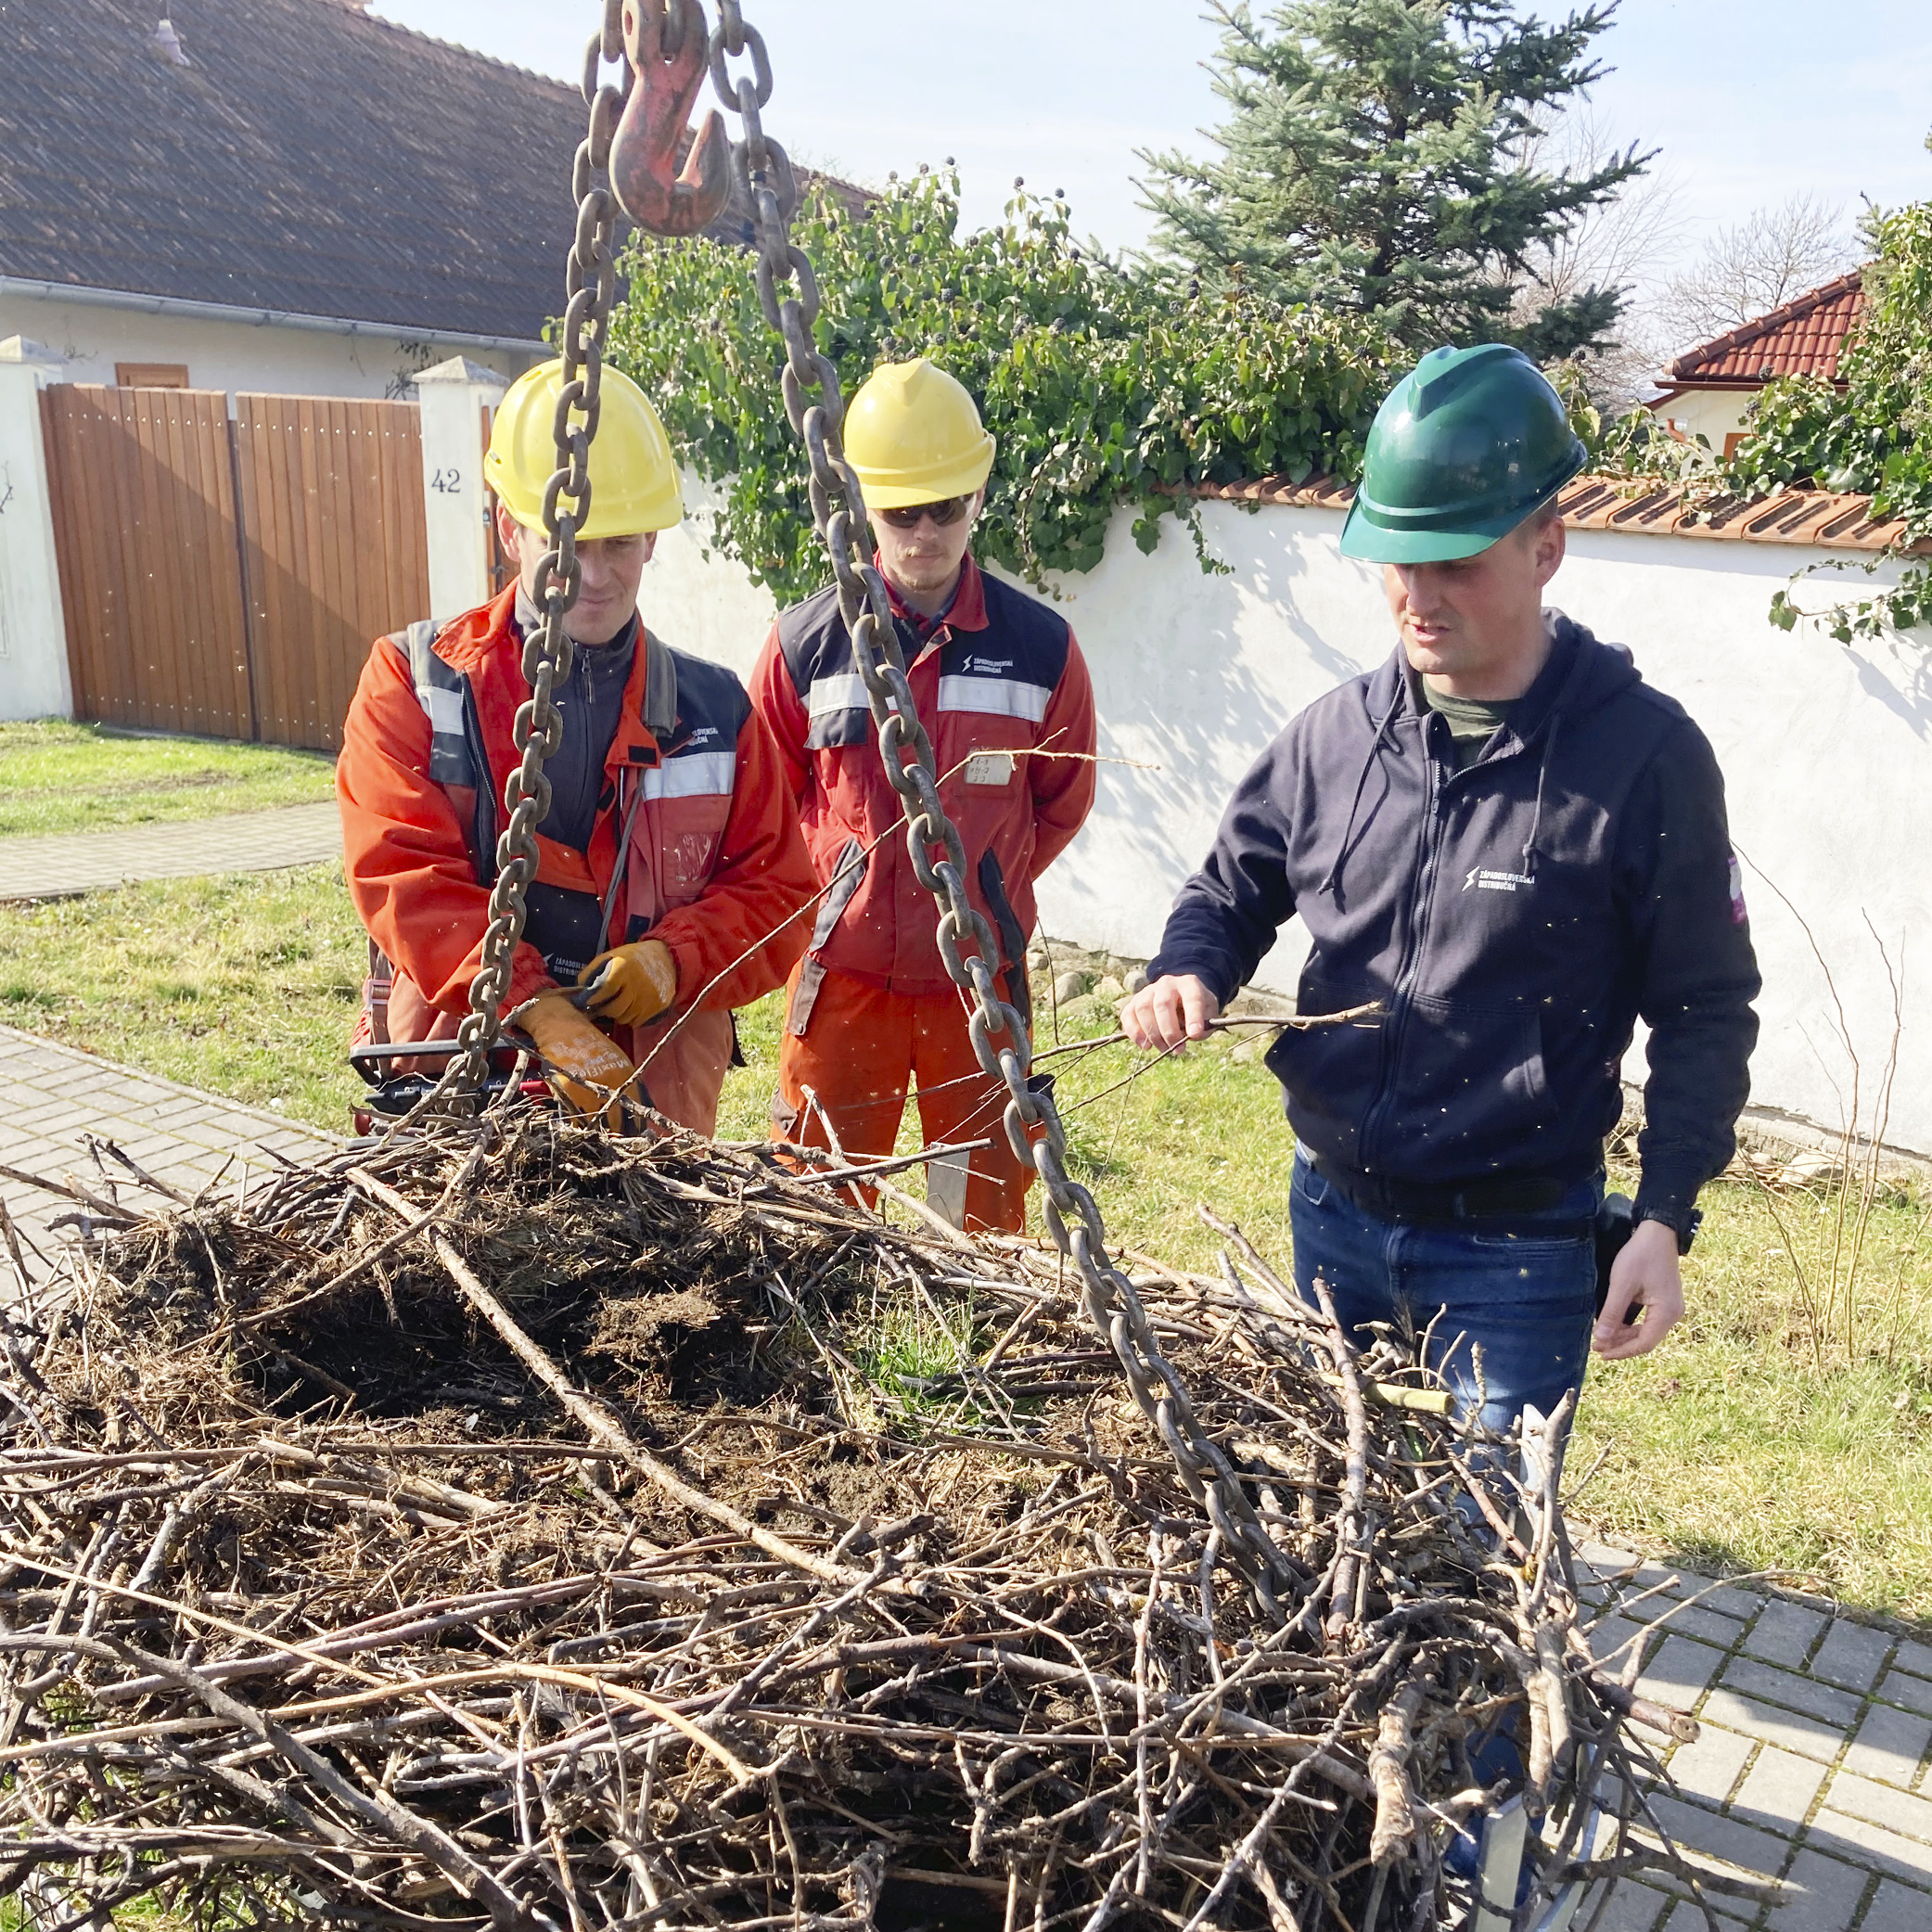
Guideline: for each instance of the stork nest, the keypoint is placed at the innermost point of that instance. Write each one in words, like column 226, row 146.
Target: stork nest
column 517, row 1525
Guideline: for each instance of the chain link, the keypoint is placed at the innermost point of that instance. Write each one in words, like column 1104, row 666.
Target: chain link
column 548, row 651
column 1001, row 1034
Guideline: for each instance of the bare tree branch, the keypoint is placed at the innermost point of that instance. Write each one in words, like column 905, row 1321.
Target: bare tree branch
column 1773, row 256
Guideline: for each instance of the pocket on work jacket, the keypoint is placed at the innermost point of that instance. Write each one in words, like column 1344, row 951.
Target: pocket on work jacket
column 1469, row 1089
column 677, row 837
column 1329, row 1073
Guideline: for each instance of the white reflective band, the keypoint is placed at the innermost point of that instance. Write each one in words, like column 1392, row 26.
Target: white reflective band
column 843, row 693
column 445, row 709
column 997, row 695
column 703, row 774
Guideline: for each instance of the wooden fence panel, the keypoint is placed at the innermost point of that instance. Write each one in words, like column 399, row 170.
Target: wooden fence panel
column 146, row 532
column 336, row 550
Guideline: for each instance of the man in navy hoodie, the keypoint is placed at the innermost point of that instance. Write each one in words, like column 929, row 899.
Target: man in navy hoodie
column 1515, row 848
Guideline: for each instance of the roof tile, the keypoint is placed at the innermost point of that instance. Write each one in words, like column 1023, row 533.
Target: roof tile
column 1804, row 338
column 1827, row 519
column 310, row 159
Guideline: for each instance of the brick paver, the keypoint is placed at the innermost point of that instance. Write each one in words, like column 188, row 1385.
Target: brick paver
column 1852, row 1655
column 1821, row 1894
column 1891, row 1746
column 1895, row 1909
column 1780, row 1788
column 1785, row 1632
column 71, row 863
column 55, row 1095
column 1813, row 1765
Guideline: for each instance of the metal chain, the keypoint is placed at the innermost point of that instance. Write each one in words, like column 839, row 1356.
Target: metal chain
column 548, row 651
column 1000, row 1032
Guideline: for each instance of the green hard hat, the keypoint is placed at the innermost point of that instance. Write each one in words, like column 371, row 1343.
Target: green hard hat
column 1468, row 443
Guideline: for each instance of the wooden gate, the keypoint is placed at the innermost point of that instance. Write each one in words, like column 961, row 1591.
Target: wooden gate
column 142, row 484
column 227, row 577
column 337, row 553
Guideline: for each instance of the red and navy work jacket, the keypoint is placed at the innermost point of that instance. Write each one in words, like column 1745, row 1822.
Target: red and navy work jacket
column 1001, row 687
column 694, row 842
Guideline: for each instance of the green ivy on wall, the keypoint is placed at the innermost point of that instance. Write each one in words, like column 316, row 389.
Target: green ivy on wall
column 1109, row 385
column 1870, row 438
column 1103, row 386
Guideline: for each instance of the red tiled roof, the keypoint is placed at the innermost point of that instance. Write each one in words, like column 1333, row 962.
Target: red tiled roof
column 1801, row 339
column 1831, row 521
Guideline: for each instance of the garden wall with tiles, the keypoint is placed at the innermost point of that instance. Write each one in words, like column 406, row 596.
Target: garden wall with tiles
column 1826, row 748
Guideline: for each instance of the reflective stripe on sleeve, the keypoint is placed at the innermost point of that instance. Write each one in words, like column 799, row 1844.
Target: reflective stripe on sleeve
column 999, row 697
column 444, row 709
column 700, row 775
column 842, row 692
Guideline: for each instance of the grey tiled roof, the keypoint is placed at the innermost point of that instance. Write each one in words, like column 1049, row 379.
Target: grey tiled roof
column 308, row 159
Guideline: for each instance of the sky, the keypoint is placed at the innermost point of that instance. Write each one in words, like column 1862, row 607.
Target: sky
column 1750, row 101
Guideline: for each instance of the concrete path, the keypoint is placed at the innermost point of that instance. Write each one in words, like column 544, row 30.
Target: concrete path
column 71, row 863
column 1812, row 1766
column 55, row 1095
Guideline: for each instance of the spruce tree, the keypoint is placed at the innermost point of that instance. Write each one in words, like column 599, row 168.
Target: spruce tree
column 1380, row 158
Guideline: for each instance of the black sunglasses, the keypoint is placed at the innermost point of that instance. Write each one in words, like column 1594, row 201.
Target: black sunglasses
column 948, row 511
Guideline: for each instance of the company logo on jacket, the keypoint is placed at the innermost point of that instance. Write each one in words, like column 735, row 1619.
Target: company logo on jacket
column 1486, row 880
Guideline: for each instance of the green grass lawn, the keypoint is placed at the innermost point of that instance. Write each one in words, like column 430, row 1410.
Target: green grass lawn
column 57, row 778
column 246, row 983
column 1729, row 1446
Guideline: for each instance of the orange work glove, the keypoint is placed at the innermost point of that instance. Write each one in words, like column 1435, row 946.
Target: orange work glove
column 580, row 1058
column 638, row 982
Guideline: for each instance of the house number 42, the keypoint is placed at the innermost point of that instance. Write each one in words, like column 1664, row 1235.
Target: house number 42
column 447, row 481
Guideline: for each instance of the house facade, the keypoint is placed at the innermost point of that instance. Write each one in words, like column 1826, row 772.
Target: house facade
column 138, row 342
column 1707, row 391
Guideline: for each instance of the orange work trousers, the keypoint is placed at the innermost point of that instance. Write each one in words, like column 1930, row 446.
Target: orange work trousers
column 860, row 1049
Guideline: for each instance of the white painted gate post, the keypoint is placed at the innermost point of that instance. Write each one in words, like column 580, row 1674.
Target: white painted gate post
column 34, row 674
column 451, row 397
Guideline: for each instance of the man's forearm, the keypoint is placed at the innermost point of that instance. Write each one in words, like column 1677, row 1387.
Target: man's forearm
column 1197, row 943
column 1699, row 1081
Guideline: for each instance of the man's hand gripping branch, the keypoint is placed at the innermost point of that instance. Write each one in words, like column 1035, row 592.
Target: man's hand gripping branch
column 585, row 1067
column 1164, row 1017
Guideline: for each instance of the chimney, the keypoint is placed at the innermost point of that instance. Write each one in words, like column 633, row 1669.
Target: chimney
column 166, row 44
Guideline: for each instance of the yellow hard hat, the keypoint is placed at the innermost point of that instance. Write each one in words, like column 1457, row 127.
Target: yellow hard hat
column 913, row 436
column 633, row 477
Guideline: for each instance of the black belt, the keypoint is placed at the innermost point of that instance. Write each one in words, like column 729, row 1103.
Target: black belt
column 1420, row 1201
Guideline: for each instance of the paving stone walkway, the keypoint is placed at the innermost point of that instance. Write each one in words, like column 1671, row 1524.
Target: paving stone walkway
column 55, row 1095
column 70, row 862
column 1812, row 1766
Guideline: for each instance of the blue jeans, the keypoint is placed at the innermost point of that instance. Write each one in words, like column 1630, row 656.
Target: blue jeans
column 1523, row 1290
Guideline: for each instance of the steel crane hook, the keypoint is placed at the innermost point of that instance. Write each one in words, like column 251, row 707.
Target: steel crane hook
column 649, row 184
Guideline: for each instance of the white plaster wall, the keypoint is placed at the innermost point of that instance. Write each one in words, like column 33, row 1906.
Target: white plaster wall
column 1712, row 414
column 33, row 671
column 1826, row 752
column 699, row 601
column 225, row 355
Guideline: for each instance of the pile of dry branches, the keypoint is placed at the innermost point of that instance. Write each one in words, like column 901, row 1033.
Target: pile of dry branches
column 517, row 1525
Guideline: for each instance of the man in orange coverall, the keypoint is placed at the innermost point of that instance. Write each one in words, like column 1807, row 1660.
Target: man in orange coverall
column 670, row 828
column 1002, row 688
